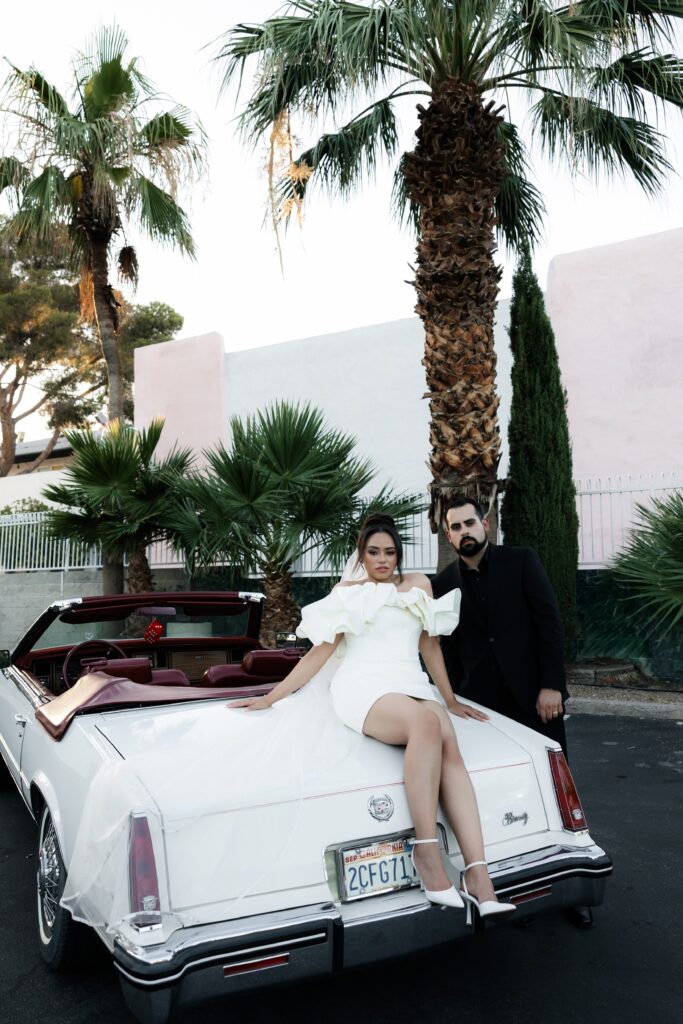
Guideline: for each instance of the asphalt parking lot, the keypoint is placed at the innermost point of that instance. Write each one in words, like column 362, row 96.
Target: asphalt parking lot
column 626, row 970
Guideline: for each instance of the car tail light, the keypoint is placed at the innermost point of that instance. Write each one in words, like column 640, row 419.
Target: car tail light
column 571, row 810
column 142, row 869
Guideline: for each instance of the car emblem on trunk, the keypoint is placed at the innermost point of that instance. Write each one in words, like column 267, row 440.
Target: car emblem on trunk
column 381, row 807
column 509, row 818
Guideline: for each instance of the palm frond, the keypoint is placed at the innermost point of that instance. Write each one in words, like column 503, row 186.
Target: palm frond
column 627, row 21
column 635, row 76
column 108, row 89
column 44, row 208
column 596, row 139
column 405, row 210
column 160, row 215
column 170, row 129
column 533, row 36
column 320, row 59
column 643, row 584
column 519, row 205
column 340, row 160
column 33, row 83
column 13, row 174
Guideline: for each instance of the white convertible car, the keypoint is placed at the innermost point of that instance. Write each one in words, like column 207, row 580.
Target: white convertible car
column 208, row 865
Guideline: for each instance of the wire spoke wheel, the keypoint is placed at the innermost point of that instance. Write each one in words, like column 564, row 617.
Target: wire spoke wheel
column 50, row 883
column 63, row 943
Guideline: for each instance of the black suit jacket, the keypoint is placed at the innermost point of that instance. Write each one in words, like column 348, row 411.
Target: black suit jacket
column 524, row 626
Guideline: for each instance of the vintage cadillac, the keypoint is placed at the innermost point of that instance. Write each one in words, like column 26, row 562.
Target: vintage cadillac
column 206, row 860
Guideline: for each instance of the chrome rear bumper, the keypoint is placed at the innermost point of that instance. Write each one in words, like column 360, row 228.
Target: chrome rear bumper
column 210, row 961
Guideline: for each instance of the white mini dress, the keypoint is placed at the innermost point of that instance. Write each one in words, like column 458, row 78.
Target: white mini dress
column 382, row 627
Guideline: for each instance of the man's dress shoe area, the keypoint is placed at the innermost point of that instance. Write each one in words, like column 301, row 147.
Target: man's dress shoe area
column 581, row 917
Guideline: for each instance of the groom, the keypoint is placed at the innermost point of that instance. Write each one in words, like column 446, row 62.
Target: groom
column 507, row 651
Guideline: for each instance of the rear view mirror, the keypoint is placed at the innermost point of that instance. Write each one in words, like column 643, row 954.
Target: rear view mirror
column 5, row 660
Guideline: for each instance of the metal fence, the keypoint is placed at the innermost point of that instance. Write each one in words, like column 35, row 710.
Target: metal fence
column 606, row 509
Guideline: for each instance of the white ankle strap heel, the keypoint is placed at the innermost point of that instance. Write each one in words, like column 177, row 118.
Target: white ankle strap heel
column 487, row 908
column 442, row 897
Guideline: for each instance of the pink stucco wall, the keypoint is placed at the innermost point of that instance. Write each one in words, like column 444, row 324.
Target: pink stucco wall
column 617, row 312
column 183, row 381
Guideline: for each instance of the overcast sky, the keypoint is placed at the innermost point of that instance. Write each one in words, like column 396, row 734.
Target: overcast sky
column 350, row 263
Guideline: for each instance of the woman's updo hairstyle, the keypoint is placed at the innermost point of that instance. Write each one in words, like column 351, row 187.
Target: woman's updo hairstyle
column 380, row 522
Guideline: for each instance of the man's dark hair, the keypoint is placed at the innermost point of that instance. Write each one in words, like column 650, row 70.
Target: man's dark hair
column 457, row 501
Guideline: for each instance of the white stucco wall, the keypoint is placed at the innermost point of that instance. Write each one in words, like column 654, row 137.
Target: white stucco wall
column 617, row 312
column 29, row 485
column 369, row 382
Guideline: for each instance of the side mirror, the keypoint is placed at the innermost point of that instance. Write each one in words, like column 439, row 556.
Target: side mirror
column 286, row 640
column 5, row 660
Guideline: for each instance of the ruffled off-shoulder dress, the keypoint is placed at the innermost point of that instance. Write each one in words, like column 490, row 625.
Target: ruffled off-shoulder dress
column 382, row 627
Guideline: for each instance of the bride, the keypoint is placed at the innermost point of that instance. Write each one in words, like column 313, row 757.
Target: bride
column 384, row 617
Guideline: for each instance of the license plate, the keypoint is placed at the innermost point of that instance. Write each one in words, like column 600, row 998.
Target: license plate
column 376, row 867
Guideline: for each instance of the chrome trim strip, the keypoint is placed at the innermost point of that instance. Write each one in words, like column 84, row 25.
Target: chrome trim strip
column 68, row 602
column 576, row 872
column 301, row 942
column 538, row 858
column 226, row 931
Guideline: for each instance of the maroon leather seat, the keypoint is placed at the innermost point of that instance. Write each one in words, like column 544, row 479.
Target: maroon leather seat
column 139, row 670
column 169, row 677
column 256, row 667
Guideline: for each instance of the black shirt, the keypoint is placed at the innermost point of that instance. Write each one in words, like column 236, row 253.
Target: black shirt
column 479, row 661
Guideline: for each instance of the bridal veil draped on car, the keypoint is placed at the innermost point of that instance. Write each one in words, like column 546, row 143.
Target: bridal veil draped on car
column 221, row 768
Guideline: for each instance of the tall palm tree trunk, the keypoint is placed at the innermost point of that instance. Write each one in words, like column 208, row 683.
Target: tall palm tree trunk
column 107, row 324
column 454, row 174
column 112, row 574
column 281, row 613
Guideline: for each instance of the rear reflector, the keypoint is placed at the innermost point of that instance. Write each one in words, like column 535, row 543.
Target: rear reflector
column 245, row 966
column 535, row 894
column 573, row 818
column 144, row 884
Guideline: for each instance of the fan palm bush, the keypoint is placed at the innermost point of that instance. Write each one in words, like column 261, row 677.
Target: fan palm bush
column 118, row 496
column 592, row 75
column 112, row 156
column 288, row 486
column 643, row 586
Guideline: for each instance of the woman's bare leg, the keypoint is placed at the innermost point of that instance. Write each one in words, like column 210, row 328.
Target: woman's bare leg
column 460, row 806
column 402, row 721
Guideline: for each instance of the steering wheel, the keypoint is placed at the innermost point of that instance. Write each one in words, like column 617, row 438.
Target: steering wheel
column 107, row 644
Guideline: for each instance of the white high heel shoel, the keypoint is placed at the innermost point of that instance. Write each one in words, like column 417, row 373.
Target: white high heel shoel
column 485, row 908
column 442, row 897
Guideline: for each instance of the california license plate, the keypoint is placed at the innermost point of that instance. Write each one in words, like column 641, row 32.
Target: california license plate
column 376, row 867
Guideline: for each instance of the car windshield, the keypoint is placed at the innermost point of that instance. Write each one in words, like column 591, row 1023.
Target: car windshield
column 68, row 634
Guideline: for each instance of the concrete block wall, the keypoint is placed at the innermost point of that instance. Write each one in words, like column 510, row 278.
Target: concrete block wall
column 24, row 595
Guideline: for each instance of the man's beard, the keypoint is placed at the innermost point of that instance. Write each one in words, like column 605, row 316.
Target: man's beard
column 471, row 547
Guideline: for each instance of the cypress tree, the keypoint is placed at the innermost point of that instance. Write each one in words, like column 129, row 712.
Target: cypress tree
column 539, row 505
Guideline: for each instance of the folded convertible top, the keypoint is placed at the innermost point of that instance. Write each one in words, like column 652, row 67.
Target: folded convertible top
column 97, row 691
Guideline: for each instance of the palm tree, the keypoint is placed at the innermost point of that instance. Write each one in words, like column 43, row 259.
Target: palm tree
column 288, row 486
column 117, row 496
column 593, row 72
column 637, row 607
column 111, row 158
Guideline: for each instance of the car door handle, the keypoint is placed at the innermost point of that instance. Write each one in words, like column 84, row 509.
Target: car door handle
column 20, row 719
